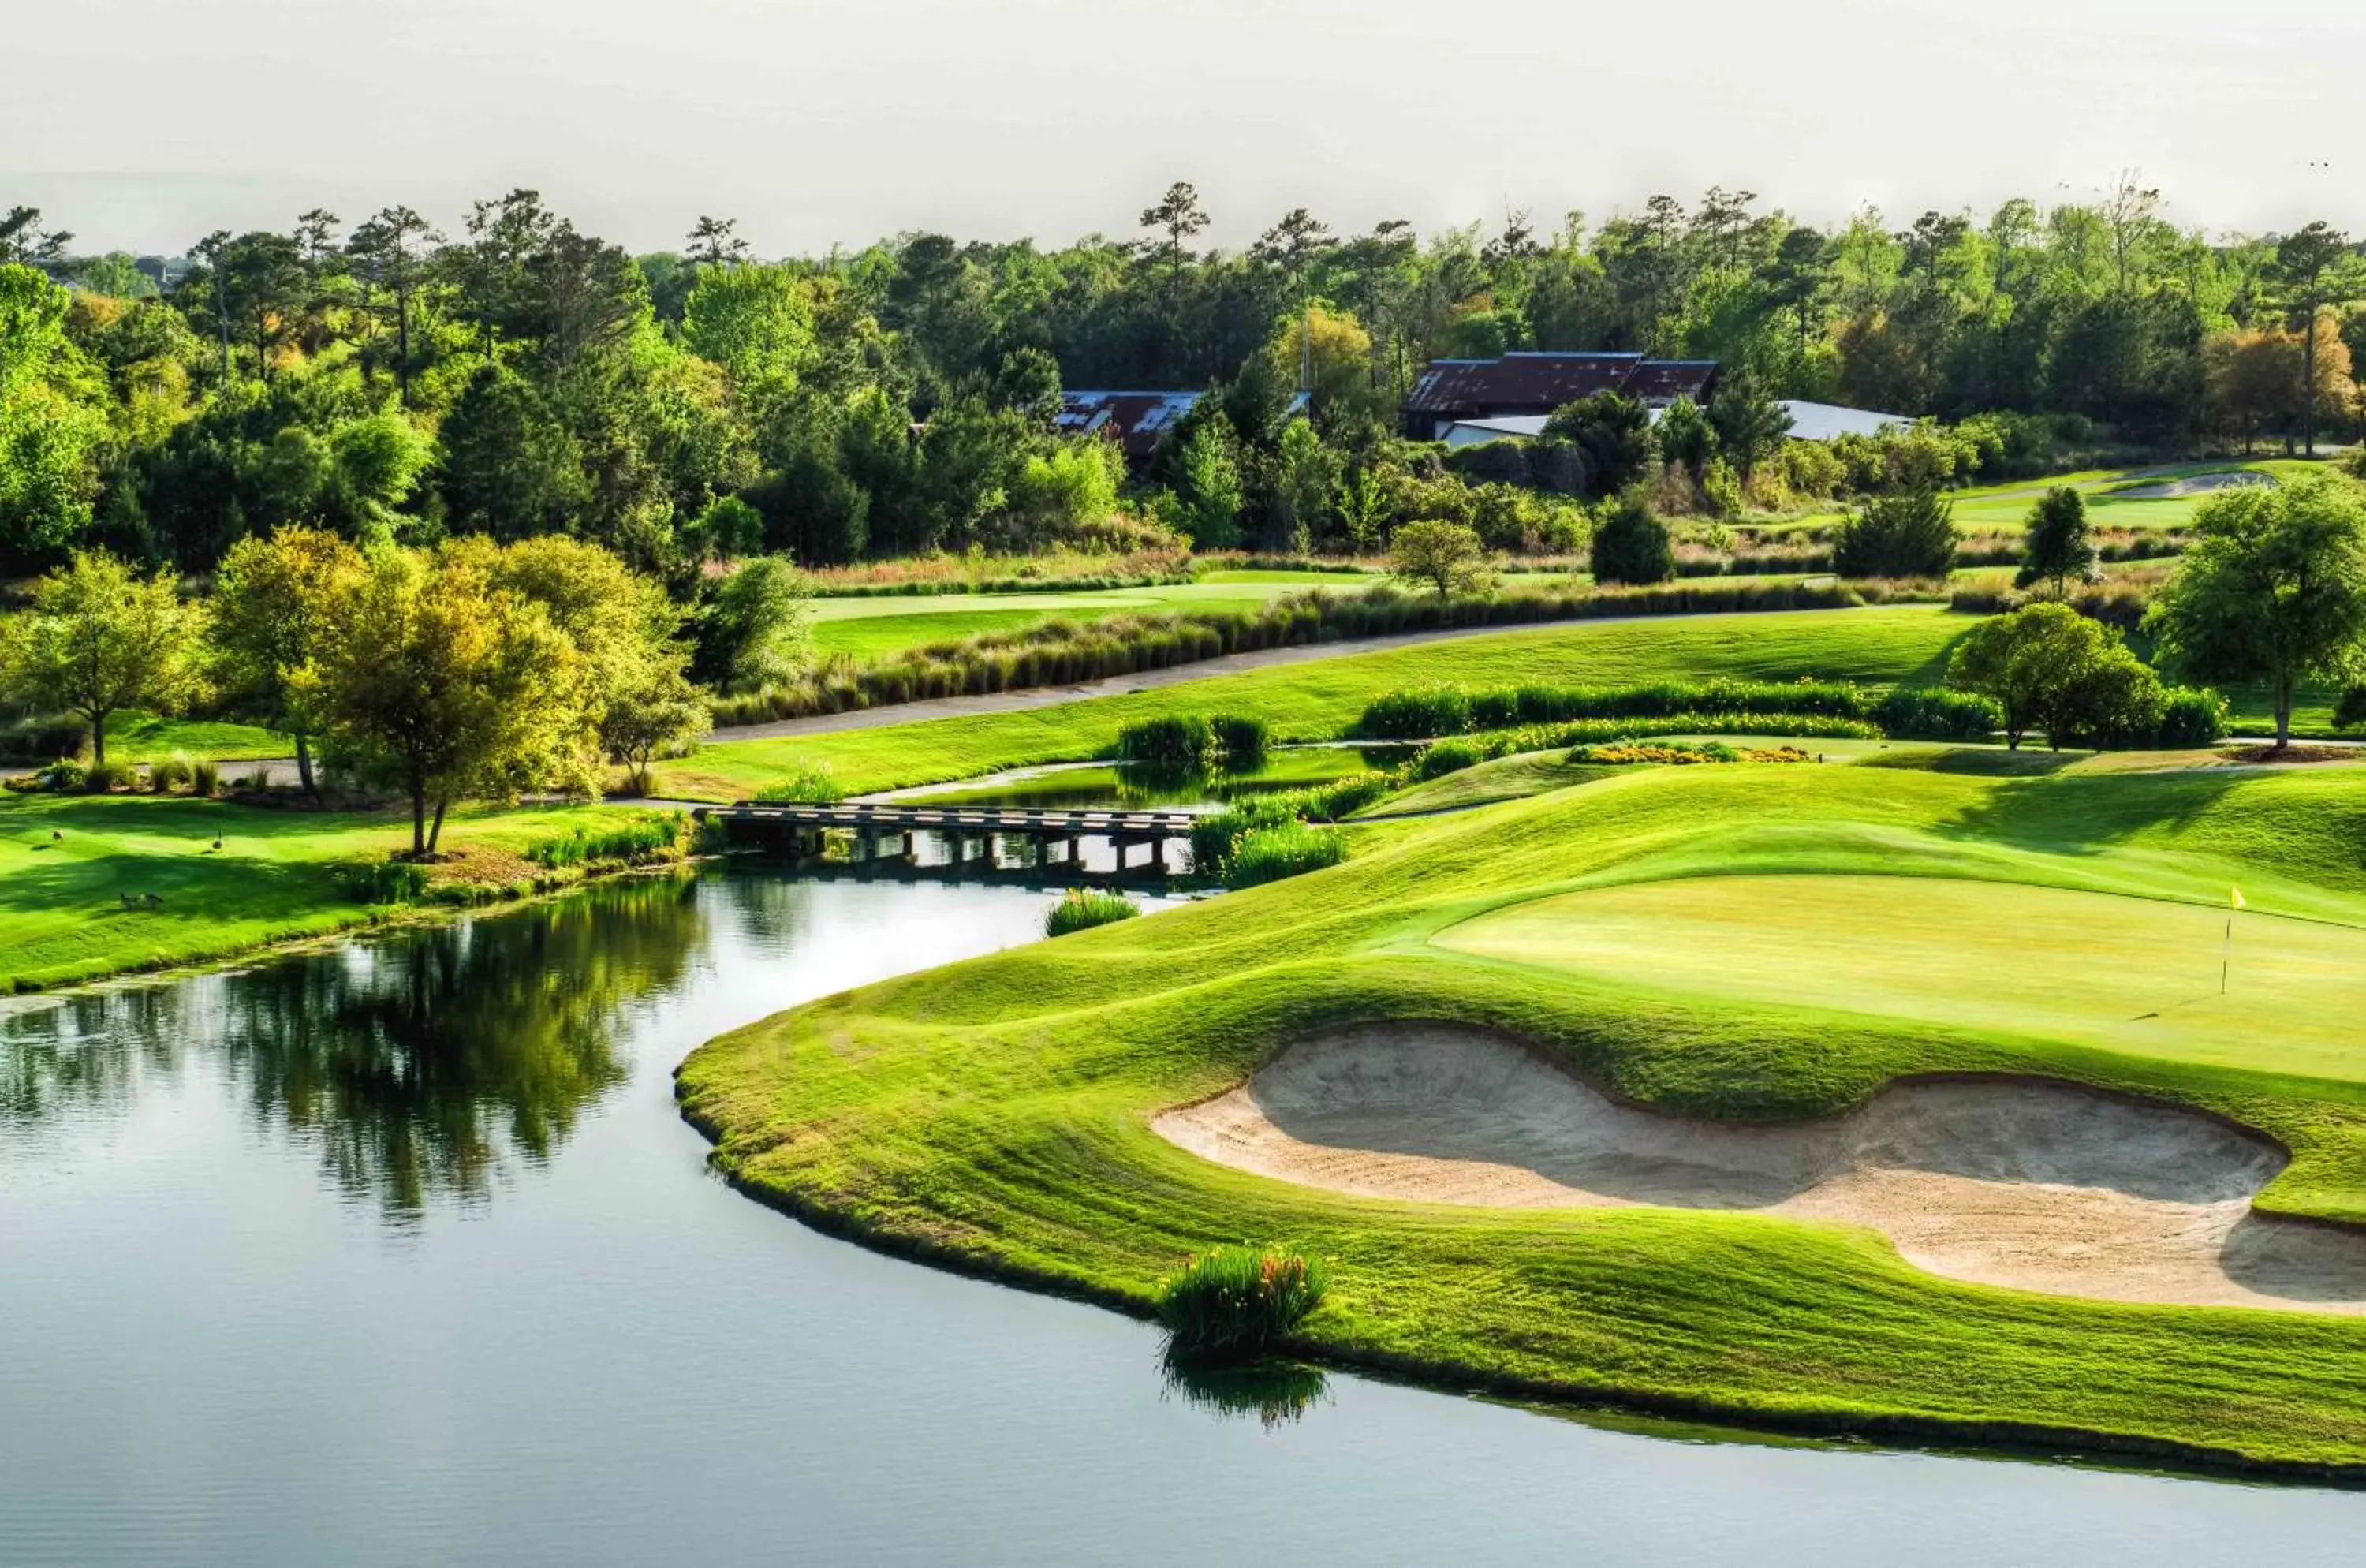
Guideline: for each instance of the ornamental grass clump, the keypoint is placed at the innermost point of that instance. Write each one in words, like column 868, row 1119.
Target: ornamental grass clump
column 1173, row 743
column 1241, row 741
column 1238, row 1301
column 1084, row 907
column 1292, row 848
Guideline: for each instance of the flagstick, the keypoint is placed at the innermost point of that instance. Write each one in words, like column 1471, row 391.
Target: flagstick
column 2226, row 955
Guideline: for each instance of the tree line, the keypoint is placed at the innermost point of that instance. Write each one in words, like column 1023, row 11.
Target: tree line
column 511, row 375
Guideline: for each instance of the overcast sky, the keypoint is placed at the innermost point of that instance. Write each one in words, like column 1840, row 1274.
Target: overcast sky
column 143, row 123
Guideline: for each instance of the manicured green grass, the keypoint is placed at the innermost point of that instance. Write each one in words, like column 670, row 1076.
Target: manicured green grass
column 869, row 627
column 2134, row 974
column 137, row 736
column 998, row 1112
column 67, row 861
column 1317, row 698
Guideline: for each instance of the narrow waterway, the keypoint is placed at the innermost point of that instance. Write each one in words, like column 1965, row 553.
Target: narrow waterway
column 397, row 1252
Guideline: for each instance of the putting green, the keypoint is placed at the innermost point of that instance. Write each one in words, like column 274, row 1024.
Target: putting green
column 2136, row 974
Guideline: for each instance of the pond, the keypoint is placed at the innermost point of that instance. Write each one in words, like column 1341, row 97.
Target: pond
column 397, row 1252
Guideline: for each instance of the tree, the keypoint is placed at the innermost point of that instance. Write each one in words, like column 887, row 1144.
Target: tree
column 102, row 639
column 1449, row 557
column 2049, row 668
column 262, row 286
column 1907, row 533
column 716, row 243
column 2059, row 543
column 1179, row 215
column 1613, row 434
column 1686, row 436
column 1751, row 425
column 437, row 681
column 1210, row 492
column 509, row 467
column 272, row 607
column 53, row 423
column 2304, row 260
column 1306, row 473
column 24, row 243
column 753, row 630
column 2272, row 590
column 649, row 714
column 1631, row 544
column 390, row 252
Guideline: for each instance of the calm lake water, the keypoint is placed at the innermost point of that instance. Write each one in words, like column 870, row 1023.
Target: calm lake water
column 398, row 1253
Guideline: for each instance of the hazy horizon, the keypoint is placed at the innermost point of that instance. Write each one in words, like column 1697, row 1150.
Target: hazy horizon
column 1002, row 119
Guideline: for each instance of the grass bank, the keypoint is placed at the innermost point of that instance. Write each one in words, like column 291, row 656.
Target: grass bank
column 1318, row 699
column 68, row 863
column 995, row 1114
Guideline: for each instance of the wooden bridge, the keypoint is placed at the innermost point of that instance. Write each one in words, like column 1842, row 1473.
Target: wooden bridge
column 887, row 829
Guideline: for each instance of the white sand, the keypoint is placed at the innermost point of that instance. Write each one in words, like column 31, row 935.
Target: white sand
column 2043, row 1186
column 2193, row 484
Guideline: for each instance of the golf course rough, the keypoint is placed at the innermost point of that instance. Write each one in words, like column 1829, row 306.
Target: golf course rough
column 999, row 1115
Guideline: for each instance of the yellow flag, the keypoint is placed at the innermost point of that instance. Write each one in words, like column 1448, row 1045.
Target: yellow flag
column 2238, row 899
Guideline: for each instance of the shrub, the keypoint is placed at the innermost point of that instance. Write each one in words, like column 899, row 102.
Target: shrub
column 1238, row 1301
column 385, row 882
column 1084, row 908
column 1446, row 757
column 2191, row 715
column 1910, row 533
column 1291, row 849
column 1934, row 713
column 1631, row 546
column 1241, row 738
column 806, row 787
column 637, row 838
column 1449, row 557
column 63, row 774
column 102, row 777
column 170, row 773
column 1182, row 743
column 1418, row 714
column 205, row 780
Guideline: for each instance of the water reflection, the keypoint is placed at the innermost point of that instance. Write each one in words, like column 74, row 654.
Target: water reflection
column 1276, row 1392
column 421, row 1067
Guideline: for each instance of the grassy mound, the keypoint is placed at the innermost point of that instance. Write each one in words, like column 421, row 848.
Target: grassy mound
column 995, row 1114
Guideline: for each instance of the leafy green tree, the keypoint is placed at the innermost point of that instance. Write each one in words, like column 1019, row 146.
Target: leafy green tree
column 1613, row 434
column 753, row 629
column 1686, row 436
column 2272, row 590
column 1210, row 492
column 2304, row 259
column 272, row 607
column 53, row 422
column 1306, row 476
column 755, row 321
column 511, row 468
column 1751, row 425
column 1630, row 545
column 101, row 639
column 24, row 243
column 2049, row 668
column 391, row 252
column 263, row 288
column 437, row 681
column 1448, row 557
column 1907, row 533
column 1362, row 502
column 716, row 243
column 2059, row 543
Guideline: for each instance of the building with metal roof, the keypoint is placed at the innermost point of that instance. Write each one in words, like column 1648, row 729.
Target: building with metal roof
column 1533, row 383
column 1137, row 421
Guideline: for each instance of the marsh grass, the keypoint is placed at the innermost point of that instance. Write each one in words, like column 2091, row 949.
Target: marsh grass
column 1084, row 907
column 1236, row 1301
column 1288, row 848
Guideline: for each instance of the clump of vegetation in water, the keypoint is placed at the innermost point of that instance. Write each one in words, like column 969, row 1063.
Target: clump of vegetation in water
column 1291, row 849
column 1240, row 741
column 806, row 787
column 1237, row 1301
column 1084, row 907
column 1173, row 743
column 642, row 838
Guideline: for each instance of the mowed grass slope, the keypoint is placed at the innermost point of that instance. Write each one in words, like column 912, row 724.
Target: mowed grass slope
column 66, row 862
column 1316, row 699
column 997, row 1113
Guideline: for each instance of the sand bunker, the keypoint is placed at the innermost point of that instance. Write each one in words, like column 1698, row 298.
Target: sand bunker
column 2043, row 1186
column 2192, row 484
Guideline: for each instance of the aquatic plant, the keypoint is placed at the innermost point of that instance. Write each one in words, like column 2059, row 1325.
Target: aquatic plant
column 1084, row 907
column 1238, row 1301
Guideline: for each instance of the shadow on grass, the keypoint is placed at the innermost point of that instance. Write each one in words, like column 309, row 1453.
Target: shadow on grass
column 2088, row 813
